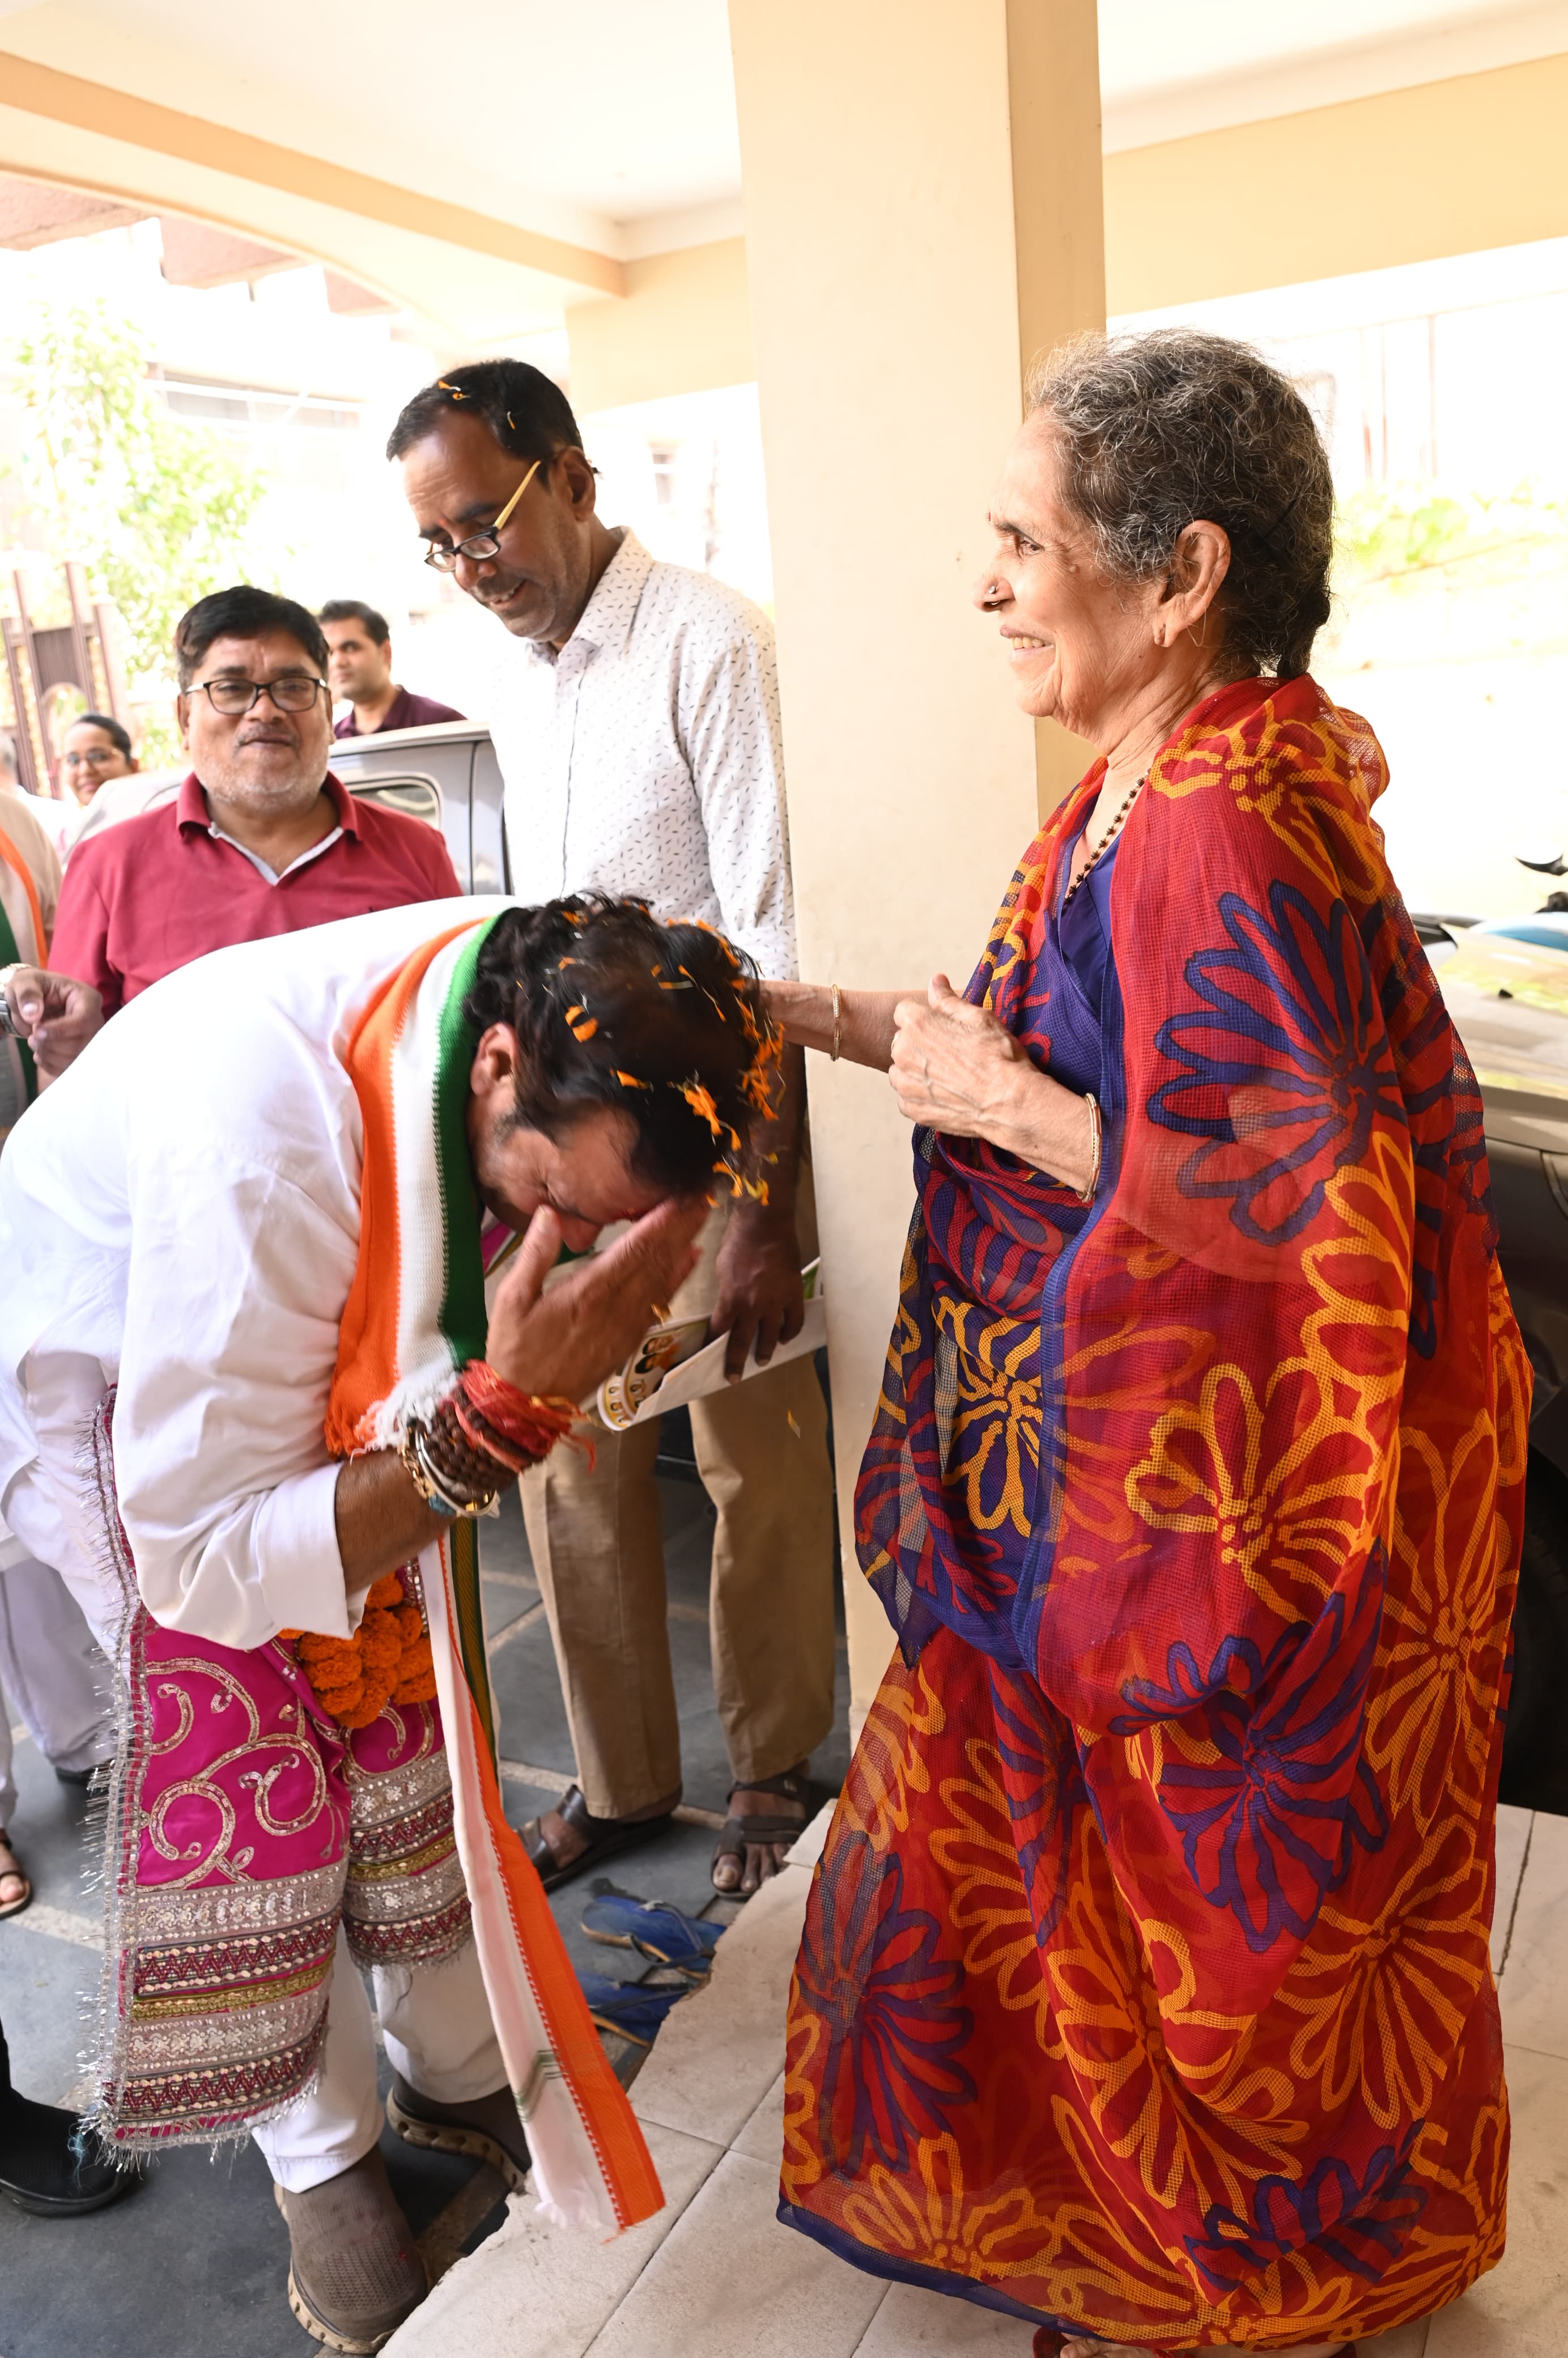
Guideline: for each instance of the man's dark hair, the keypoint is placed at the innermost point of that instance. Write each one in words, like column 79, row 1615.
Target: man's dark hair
column 525, row 410
column 611, row 1008
column 242, row 613
column 120, row 738
column 354, row 610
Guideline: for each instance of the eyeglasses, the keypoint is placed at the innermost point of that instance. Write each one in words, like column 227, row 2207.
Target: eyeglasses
column 482, row 545
column 292, row 693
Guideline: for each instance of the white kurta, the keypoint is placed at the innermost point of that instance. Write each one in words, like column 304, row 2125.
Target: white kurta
column 180, row 1214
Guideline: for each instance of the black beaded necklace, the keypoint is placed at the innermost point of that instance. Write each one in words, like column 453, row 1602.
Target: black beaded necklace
column 1106, row 839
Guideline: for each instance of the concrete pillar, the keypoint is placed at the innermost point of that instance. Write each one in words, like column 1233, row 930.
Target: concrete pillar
column 922, row 201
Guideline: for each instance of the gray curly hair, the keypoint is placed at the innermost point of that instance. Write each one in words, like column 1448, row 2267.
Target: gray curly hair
column 1162, row 430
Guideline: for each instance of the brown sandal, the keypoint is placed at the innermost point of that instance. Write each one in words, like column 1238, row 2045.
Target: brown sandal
column 15, row 1872
column 605, row 1838
column 736, row 1833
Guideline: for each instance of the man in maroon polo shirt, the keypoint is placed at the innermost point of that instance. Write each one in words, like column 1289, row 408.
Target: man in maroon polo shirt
column 262, row 839
column 359, row 645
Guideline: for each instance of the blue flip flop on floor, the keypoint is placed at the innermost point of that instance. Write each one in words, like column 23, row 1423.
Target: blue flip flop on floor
column 655, row 1930
column 632, row 2010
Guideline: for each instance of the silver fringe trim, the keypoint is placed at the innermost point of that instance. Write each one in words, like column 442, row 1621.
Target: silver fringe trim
column 110, row 2064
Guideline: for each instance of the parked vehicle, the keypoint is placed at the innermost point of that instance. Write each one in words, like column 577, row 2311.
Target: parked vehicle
column 445, row 773
column 1506, row 984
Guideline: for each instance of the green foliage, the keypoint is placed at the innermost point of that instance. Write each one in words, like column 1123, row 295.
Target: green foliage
column 1391, row 532
column 159, row 510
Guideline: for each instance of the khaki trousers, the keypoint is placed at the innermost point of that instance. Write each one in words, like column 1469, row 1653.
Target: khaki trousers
column 598, row 1548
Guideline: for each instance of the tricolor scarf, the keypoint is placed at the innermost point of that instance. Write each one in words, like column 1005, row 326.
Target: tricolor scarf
column 22, row 941
column 416, row 1313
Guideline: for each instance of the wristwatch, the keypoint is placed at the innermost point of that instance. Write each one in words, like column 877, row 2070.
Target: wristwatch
column 7, row 1021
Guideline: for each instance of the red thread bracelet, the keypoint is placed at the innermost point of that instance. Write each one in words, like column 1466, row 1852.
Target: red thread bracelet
column 484, row 1437
column 530, row 1422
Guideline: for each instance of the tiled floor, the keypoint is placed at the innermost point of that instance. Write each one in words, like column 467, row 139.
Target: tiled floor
column 715, row 2276
column 193, row 2266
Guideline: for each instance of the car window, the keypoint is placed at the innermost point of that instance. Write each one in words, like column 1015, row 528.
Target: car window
column 414, row 797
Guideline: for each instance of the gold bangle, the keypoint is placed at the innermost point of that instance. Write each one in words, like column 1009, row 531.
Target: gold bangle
column 1086, row 1195
column 838, row 1024
column 439, row 1494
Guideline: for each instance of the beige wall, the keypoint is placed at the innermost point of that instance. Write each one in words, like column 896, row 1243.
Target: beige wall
column 1448, row 167
column 475, row 276
column 891, row 304
column 1451, row 166
column 1443, row 168
column 685, row 327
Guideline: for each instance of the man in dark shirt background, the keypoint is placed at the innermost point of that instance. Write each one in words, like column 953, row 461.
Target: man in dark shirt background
column 262, row 839
column 360, row 669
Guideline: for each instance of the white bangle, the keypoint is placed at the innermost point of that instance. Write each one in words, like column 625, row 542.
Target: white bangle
column 1086, row 1195
column 837, row 1025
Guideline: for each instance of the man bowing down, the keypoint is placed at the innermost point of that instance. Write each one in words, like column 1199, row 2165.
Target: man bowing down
column 249, row 1406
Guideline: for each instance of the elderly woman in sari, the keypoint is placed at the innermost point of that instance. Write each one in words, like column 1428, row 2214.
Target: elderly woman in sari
column 1144, row 1991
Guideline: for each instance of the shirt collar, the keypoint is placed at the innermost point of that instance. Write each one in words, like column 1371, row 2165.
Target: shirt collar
column 192, row 809
column 605, row 623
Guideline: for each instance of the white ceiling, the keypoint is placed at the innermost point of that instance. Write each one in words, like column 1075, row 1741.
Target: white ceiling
column 618, row 107
column 1166, row 73
column 612, row 122
column 1145, row 45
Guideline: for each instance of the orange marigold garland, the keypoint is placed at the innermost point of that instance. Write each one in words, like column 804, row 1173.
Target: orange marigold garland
column 387, row 1659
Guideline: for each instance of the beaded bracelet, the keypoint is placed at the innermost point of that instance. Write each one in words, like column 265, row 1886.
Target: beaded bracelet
column 486, row 1429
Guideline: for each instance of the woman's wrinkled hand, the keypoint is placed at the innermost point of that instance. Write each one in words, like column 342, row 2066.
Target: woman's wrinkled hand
column 564, row 1342
column 955, row 1068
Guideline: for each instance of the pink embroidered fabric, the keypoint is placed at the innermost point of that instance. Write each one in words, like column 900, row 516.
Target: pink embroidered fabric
column 243, row 1826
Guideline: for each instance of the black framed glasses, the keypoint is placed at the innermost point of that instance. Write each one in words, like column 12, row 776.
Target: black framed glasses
column 293, row 693
column 482, row 545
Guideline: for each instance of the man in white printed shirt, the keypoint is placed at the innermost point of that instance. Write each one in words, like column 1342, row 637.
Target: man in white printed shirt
column 639, row 740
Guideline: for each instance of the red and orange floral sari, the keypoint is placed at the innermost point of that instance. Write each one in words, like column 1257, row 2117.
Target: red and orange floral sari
column 1145, row 1987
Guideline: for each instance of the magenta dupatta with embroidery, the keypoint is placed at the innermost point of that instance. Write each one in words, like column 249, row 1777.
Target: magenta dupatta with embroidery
column 244, row 1825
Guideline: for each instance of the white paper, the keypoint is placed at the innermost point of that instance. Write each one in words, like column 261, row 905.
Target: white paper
column 704, row 1372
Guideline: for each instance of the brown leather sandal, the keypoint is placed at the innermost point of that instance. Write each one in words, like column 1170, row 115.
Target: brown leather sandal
column 736, row 1833
column 605, row 1838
